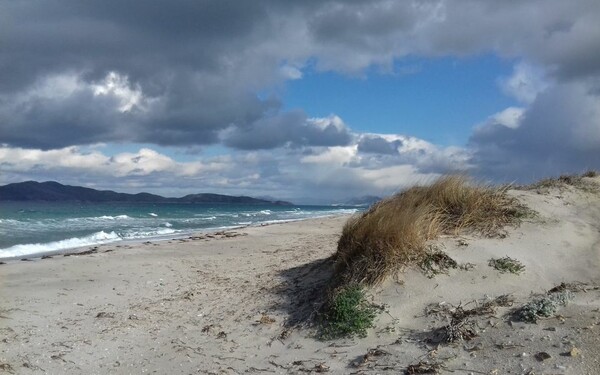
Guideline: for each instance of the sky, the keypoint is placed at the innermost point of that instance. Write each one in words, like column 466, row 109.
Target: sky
column 312, row 101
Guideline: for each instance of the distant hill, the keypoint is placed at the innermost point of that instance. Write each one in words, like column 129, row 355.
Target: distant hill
column 55, row 192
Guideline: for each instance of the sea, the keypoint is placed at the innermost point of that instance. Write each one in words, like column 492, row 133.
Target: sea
column 29, row 229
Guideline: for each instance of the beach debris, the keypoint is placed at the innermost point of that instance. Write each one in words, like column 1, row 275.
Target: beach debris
column 87, row 252
column 59, row 357
column 507, row 264
column 573, row 287
column 285, row 333
column 460, row 326
column 462, row 242
column 466, row 266
column 574, row 352
column 47, row 257
column 321, row 367
column 265, row 319
column 509, row 345
column 436, row 262
column 104, row 314
column 188, row 295
column 30, row 366
column 369, row 356
column 424, row 367
column 25, row 260
column 542, row 356
column 221, row 335
column 7, row 367
column 477, row 347
column 207, row 328
column 459, row 329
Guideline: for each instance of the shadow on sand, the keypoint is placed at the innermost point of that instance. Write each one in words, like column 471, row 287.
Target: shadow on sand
column 303, row 291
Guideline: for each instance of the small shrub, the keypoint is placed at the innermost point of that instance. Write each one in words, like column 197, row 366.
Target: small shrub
column 543, row 307
column 507, row 264
column 348, row 314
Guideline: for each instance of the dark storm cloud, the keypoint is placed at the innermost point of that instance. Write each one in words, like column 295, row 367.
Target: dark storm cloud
column 139, row 39
column 190, row 61
column 45, row 123
column 293, row 129
column 559, row 133
column 186, row 114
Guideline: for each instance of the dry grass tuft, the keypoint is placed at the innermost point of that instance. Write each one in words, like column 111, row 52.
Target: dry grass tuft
column 394, row 232
column 461, row 326
column 577, row 181
column 424, row 368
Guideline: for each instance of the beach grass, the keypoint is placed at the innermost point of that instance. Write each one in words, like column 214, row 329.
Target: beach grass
column 394, row 232
column 575, row 180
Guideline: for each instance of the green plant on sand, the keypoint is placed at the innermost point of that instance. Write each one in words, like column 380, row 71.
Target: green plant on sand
column 436, row 262
column 393, row 233
column 507, row 264
column 543, row 307
column 347, row 313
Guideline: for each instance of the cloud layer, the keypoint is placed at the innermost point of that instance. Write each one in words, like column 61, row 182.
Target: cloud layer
column 200, row 73
column 321, row 173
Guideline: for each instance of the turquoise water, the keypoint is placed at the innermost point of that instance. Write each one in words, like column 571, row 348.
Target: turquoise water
column 28, row 228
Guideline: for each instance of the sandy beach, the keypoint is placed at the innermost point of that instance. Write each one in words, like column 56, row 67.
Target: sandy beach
column 238, row 302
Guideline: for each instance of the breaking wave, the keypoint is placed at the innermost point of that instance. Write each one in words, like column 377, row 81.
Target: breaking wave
column 36, row 248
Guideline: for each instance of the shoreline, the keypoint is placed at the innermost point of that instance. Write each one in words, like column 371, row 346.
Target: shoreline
column 241, row 303
column 136, row 241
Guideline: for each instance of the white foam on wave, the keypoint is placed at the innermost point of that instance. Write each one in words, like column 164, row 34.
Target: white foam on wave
column 10, row 221
column 168, row 225
column 36, row 248
column 137, row 234
column 207, row 218
column 266, row 212
column 118, row 217
column 152, row 214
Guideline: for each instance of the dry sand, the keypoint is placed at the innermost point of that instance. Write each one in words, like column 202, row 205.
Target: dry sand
column 235, row 302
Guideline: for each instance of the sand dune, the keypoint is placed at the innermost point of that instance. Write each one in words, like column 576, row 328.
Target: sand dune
column 239, row 302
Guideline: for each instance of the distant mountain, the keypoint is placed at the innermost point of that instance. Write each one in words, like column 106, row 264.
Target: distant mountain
column 55, row 192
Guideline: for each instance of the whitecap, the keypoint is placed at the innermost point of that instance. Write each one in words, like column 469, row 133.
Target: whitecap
column 106, row 217
column 137, row 234
column 70, row 243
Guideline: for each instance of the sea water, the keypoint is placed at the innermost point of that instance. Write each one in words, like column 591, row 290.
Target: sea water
column 30, row 228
